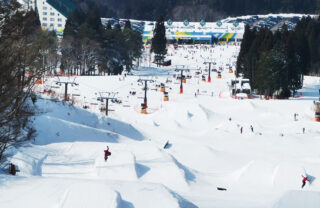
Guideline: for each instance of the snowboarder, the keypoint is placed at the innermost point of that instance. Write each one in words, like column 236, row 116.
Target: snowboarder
column 251, row 127
column 106, row 153
column 304, row 179
column 241, row 129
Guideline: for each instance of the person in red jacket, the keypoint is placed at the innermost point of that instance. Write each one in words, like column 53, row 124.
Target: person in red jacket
column 304, row 180
column 106, row 153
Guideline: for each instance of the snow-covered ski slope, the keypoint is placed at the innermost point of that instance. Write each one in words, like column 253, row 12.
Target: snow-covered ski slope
column 64, row 166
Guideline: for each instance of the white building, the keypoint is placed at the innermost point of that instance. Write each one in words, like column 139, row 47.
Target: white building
column 195, row 31
column 53, row 14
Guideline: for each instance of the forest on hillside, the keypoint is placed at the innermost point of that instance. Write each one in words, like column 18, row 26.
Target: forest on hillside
column 194, row 10
column 276, row 62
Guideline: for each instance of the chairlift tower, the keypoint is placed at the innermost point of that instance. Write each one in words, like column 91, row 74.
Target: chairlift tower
column 145, row 89
column 181, row 68
column 209, row 62
column 66, row 83
column 108, row 96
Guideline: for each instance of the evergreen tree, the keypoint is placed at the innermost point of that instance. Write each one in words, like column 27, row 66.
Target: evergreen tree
column 159, row 41
column 247, row 40
column 73, row 23
column 117, row 27
column 133, row 44
column 113, row 50
column 109, row 26
column 270, row 70
column 93, row 24
column 127, row 25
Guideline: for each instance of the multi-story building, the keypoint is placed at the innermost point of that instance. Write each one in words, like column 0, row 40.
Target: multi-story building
column 53, row 14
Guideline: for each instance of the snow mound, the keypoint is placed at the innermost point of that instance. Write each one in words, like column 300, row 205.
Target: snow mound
column 90, row 195
column 167, row 172
column 84, row 125
column 152, row 195
column 76, row 132
column 298, row 199
column 119, row 166
column 59, row 193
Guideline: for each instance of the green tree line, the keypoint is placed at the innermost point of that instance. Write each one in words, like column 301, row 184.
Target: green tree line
column 276, row 62
column 87, row 47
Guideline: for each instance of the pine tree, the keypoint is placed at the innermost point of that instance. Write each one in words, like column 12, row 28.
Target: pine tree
column 127, row 25
column 73, row 23
column 109, row 26
column 248, row 38
column 270, row 70
column 133, row 44
column 159, row 41
column 117, row 27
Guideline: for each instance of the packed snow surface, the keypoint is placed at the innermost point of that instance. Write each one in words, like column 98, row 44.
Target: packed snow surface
column 65, row 167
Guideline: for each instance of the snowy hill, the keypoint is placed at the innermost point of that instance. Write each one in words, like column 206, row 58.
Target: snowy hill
column 64, row 166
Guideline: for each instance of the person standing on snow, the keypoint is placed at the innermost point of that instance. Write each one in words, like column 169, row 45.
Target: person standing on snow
column 304, row 180
column 251, row 127
column 106, row 153
column 241, row 129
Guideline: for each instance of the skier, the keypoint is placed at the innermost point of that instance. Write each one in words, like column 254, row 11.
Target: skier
column 304, row 179
column 303, row 130
column 251, row 127
column 241, row 129
column 106, row 153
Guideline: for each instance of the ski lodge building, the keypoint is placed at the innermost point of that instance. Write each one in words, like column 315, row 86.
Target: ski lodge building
column 194, row 32
column 53, row 14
